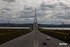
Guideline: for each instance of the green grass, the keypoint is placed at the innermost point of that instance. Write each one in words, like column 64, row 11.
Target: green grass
column 59, row 34
column 5, row 36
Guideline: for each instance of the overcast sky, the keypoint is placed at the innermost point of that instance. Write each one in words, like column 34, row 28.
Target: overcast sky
column 53, row 12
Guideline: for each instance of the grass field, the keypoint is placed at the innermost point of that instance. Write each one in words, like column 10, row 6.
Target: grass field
column 6, row 35
column 63, row 35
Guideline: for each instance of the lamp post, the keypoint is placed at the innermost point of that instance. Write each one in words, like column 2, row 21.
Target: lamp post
column 62, row 26
column 63, row 31
column 8, row 26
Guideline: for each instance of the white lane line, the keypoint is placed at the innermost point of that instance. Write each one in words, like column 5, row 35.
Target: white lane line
column 35, row 40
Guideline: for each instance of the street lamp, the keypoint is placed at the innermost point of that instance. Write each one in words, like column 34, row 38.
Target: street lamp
column 62, row 26
column 64, row 32
column 8, row 26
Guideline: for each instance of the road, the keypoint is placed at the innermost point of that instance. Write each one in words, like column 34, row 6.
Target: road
column 29, row 39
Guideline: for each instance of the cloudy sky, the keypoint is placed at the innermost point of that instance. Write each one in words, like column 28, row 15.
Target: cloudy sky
column 22, row 11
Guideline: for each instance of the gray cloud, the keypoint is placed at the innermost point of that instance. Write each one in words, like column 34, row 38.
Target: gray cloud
column 57, row 13
column 64, row 17
column 50, row 13
column 9, row 1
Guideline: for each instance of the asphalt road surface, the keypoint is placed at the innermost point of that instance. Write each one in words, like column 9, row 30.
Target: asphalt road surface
column 34, row 39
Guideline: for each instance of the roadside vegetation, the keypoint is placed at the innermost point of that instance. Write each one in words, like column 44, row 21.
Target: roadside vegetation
column 6, row 35
column 63, row 35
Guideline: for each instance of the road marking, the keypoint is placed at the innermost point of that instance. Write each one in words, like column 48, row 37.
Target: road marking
column 63, row 44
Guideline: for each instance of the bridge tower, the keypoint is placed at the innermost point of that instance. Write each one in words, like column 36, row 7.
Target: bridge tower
column 35, row 25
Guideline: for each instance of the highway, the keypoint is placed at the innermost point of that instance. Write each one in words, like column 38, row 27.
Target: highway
column 28, row 40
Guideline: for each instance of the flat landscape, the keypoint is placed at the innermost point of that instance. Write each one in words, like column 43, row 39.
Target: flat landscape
column 28, row 37
column 63, row 35
column 34, row 39
column 9, row 34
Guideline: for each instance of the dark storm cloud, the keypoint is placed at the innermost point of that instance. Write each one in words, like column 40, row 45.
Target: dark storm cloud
column 9, row 0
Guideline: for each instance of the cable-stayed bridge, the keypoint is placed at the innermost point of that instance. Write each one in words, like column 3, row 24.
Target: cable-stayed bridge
column 34, row 39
